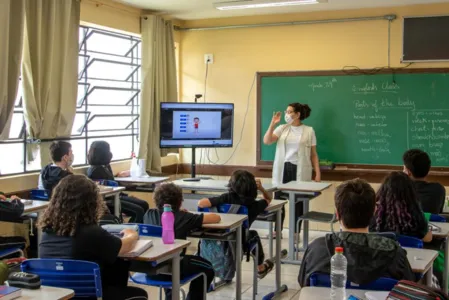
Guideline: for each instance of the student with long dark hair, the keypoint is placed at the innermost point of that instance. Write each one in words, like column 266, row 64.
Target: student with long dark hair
column 70, row 230
column 243, row 188
column 99, row 158
column 398, row 209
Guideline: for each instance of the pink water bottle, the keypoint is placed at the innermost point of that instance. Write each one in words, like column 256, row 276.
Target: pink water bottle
column 168, row 225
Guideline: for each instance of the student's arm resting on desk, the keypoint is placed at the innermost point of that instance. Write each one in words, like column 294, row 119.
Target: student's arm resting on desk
column 129, row 239
column 204, row 203
column 211, row 218
column 428, row 237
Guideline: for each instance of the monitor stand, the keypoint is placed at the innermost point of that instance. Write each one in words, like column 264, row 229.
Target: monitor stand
column 193, row 169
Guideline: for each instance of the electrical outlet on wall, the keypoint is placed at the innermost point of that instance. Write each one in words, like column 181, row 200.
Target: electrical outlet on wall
column 208, row 58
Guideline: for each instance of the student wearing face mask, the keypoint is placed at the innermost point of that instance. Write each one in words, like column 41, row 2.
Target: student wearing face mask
column 62, row 157
column 296, row 154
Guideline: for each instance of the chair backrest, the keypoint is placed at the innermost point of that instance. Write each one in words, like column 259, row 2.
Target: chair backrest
column 381, row 284
column 437, row 218
column 150, row 230
column 225, row 209
column 81, row 276
column 409, row 241
column 38, row 194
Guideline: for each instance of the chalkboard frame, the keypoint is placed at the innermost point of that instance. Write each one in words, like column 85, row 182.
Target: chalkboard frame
column 268, row 164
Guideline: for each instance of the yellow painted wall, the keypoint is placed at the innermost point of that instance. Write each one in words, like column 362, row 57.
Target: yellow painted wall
column 240, row 53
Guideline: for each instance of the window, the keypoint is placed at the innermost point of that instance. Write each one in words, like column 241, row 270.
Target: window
column 107, row 103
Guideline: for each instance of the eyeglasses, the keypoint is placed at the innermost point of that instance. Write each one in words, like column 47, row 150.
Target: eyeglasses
column 289, row 112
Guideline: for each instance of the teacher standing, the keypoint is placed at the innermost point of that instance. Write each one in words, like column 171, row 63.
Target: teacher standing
column 296, row 154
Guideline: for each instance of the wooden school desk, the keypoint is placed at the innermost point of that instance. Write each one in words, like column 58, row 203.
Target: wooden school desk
column 46, row 293
column 309, row 190
column 444, row 234
column 150, row 180
column 231, row 223
column 37, row 207
column 421, row 261
column 106, row 191
column 158, row 254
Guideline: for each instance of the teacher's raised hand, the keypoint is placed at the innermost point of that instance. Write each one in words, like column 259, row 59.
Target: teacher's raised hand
column 276, row 118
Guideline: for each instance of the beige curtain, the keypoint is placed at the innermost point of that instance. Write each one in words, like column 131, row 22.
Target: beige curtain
column 11, row 36
column 50, row 70
column 158, row 84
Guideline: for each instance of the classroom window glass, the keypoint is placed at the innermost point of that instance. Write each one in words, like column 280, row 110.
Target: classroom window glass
column 107, row 102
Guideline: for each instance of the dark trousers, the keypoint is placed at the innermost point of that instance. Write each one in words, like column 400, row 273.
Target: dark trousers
column 289, row 175
column 133, row 207
column 191, row 264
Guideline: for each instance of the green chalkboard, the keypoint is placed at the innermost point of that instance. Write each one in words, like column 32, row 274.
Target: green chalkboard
column 363, row 119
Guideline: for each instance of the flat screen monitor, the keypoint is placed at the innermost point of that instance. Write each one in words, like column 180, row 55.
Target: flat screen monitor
column 201, row 125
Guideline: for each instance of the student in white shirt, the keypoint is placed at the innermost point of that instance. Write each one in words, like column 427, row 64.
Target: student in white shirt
column 296, row 153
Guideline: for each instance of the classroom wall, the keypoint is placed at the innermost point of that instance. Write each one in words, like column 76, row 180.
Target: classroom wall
column 240, row 53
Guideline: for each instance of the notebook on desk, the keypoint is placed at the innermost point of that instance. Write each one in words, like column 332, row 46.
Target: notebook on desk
column 140, row 247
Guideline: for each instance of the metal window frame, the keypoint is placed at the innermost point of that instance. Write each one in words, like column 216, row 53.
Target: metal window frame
column 91, row 90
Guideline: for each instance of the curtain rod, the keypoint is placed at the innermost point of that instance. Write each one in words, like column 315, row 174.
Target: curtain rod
column 386, row 17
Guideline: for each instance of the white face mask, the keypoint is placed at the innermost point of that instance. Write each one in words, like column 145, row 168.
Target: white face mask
column 288, row 119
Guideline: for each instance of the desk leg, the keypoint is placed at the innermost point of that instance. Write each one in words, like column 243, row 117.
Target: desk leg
column 176, row 277
column 270, row 239
column 238, row 264
column 278, row 249
column 429, row 276
column 291, row 226
column 446, row 264
column 305, row 226
column 117, row 205
column 39, row 233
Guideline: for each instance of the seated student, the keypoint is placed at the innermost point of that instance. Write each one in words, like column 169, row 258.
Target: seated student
column 431, row 195
column 369, row 256
column 62, row 157
column 243, row 189
column 185, row 222
column 70, row 231
column 99, row 158
column 398, row 209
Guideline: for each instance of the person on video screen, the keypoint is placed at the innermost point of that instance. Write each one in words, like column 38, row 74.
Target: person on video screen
column 196, row 123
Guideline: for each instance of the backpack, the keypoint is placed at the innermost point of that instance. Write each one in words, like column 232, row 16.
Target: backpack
column 220, row 254
column 409, row 290
column 11, row 211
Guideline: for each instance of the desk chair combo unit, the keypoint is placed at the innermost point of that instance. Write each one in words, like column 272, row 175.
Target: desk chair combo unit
column 249, row 247
column 381, row 284
column 144, row 279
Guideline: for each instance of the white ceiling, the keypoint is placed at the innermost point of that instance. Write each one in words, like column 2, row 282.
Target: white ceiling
column 204, row 9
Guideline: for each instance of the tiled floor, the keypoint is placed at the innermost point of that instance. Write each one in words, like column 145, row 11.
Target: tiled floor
column 289, row 276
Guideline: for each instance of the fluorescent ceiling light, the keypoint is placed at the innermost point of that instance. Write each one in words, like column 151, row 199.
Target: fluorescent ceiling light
column 263, row 4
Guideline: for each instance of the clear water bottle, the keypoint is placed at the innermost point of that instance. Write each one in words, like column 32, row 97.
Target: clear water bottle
column 339, row 266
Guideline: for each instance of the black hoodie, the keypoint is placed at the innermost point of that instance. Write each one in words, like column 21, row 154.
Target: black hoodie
column 369, row 256
column 50, row 176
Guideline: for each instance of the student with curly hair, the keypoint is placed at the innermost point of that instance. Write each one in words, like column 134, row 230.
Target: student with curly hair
column 398, row 209
column 70, row 230
column 185, row 222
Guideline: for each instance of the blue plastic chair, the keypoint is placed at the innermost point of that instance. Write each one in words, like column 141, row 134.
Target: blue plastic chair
column 243, row 210
column 81, row 276
column 142, row 278
column 111, row 183
column 410, row 242
column 437, row 218
column 37, row 194
column 381, row 284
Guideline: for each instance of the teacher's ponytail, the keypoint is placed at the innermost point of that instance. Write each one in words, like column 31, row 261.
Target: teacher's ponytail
column 303, row 109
